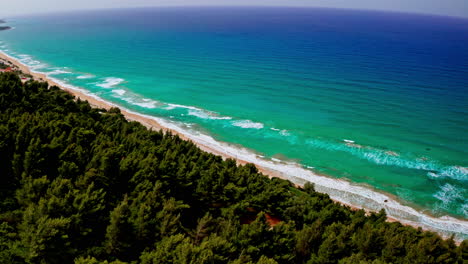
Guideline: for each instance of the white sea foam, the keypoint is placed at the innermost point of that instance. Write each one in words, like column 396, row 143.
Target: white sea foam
column 146, row 103
column 72, row 87
column 110, row 82
column 454, row 172
column 198, row 112
column 390, row 158
column 448, row 195
column 173, row 106
column 134, row 99
column 149, row 105
column 285, row 133
column 85, row 76
column 170, row 107
column 464, row 209
column 57, row 72
column 282, row 132
column 207, row 115
column 119, row 91
column 247, row 124
column 33, row 64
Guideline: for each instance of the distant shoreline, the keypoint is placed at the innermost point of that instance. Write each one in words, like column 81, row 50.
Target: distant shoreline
column 355, row 196
column 4, row 27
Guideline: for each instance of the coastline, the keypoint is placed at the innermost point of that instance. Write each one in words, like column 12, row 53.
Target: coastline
column 344, row 192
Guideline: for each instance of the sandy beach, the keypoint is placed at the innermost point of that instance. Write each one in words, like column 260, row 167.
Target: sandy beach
column 354, row 196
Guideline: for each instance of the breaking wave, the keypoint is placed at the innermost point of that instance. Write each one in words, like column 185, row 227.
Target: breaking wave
column 85, row 76
column 391, row 158
column 207, row 115
column 110, row 82
column 248, row 124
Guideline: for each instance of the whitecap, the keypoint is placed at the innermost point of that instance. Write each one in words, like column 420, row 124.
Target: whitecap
column 33, row 64
column 283, row 132
column 149, row 105
column 248, row 124
column 391, row 158
column 85, row 76
column 145, row 103
column 448, row 194
column 110, row 82
column 170, row 107
column 57, row 72
column 173, row 106
column 119, row 91
column 207, row 115
column 454, row 172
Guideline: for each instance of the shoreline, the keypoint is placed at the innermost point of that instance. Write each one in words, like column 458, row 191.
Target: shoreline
column 344, row 192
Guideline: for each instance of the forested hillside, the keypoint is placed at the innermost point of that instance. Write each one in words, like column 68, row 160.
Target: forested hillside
column 84, row 185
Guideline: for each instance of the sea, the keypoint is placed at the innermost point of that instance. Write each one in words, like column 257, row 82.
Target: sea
column 377, row 101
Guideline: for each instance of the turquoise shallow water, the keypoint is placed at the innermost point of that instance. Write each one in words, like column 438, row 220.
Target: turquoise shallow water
column 380, row 99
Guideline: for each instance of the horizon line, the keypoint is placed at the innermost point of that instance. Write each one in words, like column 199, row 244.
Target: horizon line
column 4, row 17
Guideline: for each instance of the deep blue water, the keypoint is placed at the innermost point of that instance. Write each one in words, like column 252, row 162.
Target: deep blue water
column 289, row 84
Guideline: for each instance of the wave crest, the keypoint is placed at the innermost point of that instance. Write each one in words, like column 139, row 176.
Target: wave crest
column 390, row 158
column 450, row 197
column 248, row 124
column 58, row 71
column 207, row 115
column 110, row 82
column 85, row 76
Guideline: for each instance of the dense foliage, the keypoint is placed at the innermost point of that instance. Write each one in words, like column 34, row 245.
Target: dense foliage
column 84, row 185
column 3, row 65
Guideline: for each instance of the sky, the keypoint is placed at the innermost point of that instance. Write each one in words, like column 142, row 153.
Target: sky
column 438, row 7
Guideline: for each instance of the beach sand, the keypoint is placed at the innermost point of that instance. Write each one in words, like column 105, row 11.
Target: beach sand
column 409, row 216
